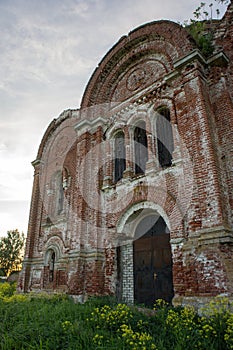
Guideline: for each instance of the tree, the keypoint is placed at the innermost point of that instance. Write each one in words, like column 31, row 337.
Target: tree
column 11, row 251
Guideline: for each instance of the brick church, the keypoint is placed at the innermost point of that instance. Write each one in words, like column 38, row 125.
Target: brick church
column 133, row 192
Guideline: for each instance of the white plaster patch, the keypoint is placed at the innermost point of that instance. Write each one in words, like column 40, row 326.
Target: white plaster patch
column 211, row 270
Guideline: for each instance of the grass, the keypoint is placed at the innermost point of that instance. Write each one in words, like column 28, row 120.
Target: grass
column 56, row 322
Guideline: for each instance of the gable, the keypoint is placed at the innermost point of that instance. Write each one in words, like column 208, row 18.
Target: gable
column 136, row 62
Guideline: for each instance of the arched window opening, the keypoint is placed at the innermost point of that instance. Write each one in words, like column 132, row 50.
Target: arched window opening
column 140, row 148
column 120, row 163
column 59, row 193
column 165, row 142
column 51, row 266
column 65, row 178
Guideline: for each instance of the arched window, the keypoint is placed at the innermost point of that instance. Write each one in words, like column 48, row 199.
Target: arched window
column 140, row 148
column 59, row 193
column 65, row 178
column 119, row 147
column 51, row 265
column 165, row 143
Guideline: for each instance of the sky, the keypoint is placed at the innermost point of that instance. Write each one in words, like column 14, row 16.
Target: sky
column 49, row 49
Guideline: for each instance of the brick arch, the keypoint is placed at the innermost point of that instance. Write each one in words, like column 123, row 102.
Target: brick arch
column 53, row 252
column 55, row 151
column 167, row 38
column 56, row 244
column 168, row 102
column 169, row 209
column 136, row 269
column 127, row 225
column 136, row 118
column 113, row 130
column 49, row 251
column 51, row 129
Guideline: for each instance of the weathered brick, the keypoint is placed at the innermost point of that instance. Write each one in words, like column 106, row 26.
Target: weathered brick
column 89, row 222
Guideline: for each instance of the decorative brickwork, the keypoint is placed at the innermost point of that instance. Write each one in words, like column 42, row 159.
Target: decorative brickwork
column 149, row 154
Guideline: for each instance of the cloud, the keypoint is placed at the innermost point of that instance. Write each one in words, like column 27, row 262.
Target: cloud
column 3, row 147
column 12, row 216
column 15, row 177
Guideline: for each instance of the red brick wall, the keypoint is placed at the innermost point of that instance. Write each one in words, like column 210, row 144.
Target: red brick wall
column 84, row 235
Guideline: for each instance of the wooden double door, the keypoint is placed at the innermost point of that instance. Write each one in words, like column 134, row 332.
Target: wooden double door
column 152, row 262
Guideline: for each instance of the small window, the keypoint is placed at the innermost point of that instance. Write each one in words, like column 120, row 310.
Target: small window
column 59, row 193
column 65, row 178
column 140, row 148
column 51, row 266
column 165, row 143
column 119, row 146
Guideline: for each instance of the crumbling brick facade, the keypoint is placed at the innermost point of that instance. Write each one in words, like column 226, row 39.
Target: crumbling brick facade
column 133, row 192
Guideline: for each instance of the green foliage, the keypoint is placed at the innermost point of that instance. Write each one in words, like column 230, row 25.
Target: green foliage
column 136, row 340
column 228, row 336
column 51, row 322
column 2, row 273
column 202, row 37
column 11, row 248
column 7, row 290
column 197, row 28
column 200, row 27
column 215, row 318
column 101, row 301
column 111, row 317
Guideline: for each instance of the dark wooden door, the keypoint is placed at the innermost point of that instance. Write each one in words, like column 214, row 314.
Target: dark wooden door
column 152, row 264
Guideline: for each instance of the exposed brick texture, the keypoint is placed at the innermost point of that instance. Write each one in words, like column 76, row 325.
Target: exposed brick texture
column 82, row 225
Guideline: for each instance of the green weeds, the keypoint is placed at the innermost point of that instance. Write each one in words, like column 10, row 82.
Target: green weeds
column 50, row 322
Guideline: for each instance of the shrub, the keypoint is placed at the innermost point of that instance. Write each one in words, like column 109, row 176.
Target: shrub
column 7, row 289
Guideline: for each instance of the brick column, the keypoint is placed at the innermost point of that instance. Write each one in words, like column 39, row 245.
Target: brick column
column 33, row 227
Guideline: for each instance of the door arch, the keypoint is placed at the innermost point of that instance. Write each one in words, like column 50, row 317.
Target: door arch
column 49, row 268
column 152, row 261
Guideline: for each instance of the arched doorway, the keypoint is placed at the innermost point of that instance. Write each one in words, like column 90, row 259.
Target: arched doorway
column 152, row 261
column 49, row 269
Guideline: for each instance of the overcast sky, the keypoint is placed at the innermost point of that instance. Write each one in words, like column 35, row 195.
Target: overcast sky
column 49, row 49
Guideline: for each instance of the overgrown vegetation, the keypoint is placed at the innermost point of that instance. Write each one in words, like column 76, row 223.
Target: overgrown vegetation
column 200, row 27
column 55, row 322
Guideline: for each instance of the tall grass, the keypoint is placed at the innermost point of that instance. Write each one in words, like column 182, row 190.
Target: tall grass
column 56, row 322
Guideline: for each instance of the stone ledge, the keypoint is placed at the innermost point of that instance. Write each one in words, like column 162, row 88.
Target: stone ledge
column 194, row 55
column 89, row 125
column 219, row 59
column 219, row 234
